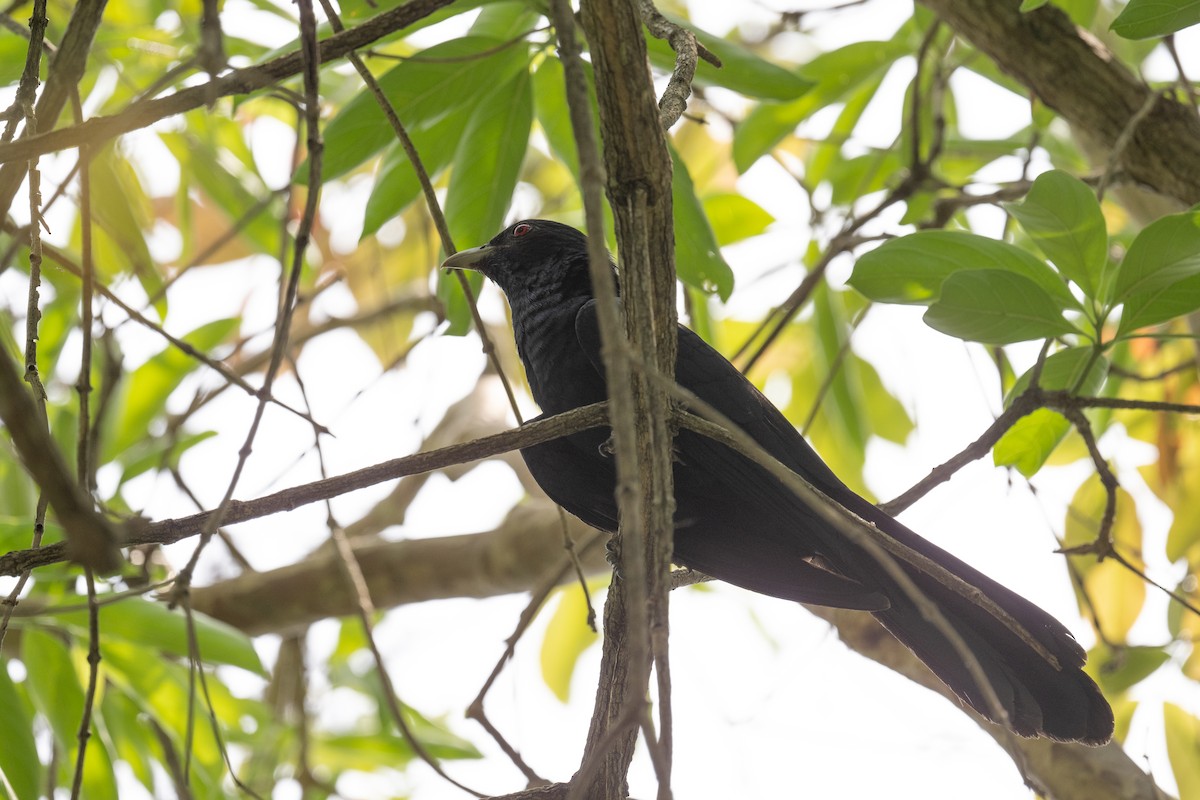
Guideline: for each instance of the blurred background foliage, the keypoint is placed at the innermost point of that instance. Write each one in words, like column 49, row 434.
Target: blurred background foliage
column 181, row 201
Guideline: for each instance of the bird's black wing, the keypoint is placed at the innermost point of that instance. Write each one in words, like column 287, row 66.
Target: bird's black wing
column 732, row 521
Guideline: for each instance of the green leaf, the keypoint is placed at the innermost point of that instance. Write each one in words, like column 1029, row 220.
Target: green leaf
column 159, row 451
column 829, row 152
column 698, row 259
column 550, row 103
column 454, row 301
column 505, row 20
column 1112, row 592
column 1142, row 19
column 234, row 193
column 146, row 392
column 1159, row 278
column 1061, row 214
column 118, row 239
column 567, row 637
column 154, row 626
column 1165, row 252
column 52, row 684
column 836, row 74
column 741, row 71
column 1120, row 670
column 133, row 741
column 1029, row 443
column 1079, row 370
column 488, row 161
column 1160, row 305
column 18, row 753
column 912, row 269
column 396, row 184
column 160, row 688
column 1183, row 749
column 422, row 89
column 57, row 694
column 995, row 306
column 735, row 217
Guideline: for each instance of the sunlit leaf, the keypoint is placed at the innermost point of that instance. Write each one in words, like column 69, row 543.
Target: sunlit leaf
column 396, row 184
column 1119, row 670
column 996, row 306
column 912, row 269
column 698, row 259
column 147, row 390
column 1061, row 214
column 487, row 162
column 1183, row 749
column 1029, row 442
column 741, row 71
column 1143, row 19
column 57, row 693
column 836, row 74
column 154, row 626
column 735, row 217
column 1114, row 593
column 567, row 638
column 18, row 751
column 422, row 90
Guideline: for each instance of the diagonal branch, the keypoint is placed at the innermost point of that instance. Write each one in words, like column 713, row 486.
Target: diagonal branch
column 1073, row 73
column 240, row 81
column 174, row 530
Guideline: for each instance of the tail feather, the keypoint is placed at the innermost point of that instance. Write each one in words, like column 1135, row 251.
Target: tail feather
column 1059, row 701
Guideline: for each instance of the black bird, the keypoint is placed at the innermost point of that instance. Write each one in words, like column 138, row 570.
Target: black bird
column 736, row 522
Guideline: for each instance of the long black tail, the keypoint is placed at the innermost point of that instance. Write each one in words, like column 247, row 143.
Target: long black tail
column 1043, row 689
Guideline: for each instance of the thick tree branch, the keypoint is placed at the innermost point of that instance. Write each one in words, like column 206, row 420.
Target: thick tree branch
column 91, row 539
column 240, row 81
column 1074, row 74
column 511, row 558
column 637, row 166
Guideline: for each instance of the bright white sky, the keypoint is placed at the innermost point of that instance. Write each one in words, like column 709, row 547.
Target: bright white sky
column 768, row 703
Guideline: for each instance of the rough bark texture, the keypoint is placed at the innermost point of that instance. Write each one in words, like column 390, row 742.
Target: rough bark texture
column 1074, row 74
column 638, row 169
column 513, row 558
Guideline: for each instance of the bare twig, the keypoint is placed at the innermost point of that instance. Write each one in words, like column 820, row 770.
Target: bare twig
column 311, row 52
column 431, row 201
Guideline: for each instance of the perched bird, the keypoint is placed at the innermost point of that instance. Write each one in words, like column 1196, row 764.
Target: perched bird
column 738, row 523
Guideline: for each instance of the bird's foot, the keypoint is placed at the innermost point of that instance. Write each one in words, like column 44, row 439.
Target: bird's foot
column 612, row 554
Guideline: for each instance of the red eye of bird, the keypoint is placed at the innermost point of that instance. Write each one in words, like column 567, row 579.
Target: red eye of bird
column 522, row 229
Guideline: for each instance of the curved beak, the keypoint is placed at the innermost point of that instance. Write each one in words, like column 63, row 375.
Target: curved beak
column 468, row 259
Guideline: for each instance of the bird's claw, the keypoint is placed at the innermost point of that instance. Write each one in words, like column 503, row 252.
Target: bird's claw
column 612, row 554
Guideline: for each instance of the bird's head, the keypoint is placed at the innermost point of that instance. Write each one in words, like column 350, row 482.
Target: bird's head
column 527, row 253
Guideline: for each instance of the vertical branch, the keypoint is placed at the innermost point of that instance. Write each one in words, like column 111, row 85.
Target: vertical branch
column 289, row 288
column 82, row 462
column 617, row 691
column 638, row 183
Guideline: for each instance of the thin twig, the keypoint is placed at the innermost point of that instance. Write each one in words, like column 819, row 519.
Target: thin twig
column 431, row 202
column 89, row 698
column 288, row 289
column 174, row 530
column 475, row 710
